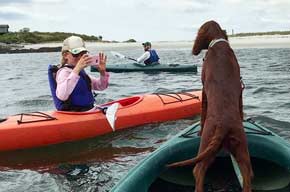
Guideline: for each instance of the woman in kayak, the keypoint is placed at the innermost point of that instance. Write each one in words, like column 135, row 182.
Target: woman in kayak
column 150, row 56
column 73, row 85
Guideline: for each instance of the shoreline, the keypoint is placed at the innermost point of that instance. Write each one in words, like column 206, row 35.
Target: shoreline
column 262, row 41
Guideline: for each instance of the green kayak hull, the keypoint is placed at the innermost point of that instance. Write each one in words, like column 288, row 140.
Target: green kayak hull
column 135, row 67
column 270, row 158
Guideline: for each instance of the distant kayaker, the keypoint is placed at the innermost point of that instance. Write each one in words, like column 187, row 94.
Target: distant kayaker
column 73, row 85
column 150, row 56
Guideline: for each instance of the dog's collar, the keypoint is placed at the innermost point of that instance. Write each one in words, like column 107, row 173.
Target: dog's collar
column 213, row 42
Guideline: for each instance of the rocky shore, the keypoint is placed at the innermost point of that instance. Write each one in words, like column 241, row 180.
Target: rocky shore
column 14, row 48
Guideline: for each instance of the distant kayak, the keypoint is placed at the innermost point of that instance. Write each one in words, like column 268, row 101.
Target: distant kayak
column 136, row 67
column 28, row 130
column 270, row 158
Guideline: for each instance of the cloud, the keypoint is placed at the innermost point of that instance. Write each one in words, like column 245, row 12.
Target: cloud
column 48, row 1
column 174, row 5
column 188, row 28
column 13, row 9
column 9, row 2
column 12, row 14
column 142, row 20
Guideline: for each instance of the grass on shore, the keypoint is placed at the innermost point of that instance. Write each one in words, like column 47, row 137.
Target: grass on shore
column 41, row 37
column 261, row 33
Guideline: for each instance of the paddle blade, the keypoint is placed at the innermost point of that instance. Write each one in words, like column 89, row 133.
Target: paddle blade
column 111, row 114
column 237, row 170
column 119, row 55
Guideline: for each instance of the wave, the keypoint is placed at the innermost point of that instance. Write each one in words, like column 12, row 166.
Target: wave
column 34, row 102
column 274, row 125
column 285, row 105
column 264, row 89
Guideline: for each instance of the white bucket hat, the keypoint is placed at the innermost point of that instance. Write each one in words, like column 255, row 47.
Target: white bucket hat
column 74, row 45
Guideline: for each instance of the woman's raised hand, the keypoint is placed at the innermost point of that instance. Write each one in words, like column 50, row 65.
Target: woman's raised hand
column 102, row 63
column 84, row 61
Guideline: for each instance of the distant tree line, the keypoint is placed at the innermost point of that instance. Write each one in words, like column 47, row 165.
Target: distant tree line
column 24, row 36
column 261, row 33
column 130, row 41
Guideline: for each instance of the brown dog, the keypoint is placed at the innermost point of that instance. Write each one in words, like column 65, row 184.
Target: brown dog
column 222, row 106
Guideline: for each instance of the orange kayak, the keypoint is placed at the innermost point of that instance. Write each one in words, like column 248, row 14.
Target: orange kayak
column 28, row 130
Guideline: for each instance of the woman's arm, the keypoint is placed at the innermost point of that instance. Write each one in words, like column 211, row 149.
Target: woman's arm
column 66, row 80
column 100, row 83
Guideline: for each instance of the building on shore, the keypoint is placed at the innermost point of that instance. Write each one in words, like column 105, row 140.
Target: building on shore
column 24, row 30
column 4, row 29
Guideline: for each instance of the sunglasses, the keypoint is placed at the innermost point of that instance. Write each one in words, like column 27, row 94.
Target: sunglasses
column 79, row 54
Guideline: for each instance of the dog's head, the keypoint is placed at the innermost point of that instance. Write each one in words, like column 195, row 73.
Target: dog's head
column 206, row 33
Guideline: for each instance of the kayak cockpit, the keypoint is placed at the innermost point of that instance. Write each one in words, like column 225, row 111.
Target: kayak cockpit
column 2, row 120
column 269, row 158
column 268, row 176
column 127, row 102
column 219, row 177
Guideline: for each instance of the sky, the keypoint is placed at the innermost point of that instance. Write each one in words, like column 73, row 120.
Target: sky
column 144, row 20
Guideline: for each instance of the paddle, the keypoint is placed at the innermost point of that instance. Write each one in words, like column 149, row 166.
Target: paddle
column 110, row 112
column 237, row 170
column 119, row 55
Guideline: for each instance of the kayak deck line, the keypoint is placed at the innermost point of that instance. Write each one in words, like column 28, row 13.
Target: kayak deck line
column 176, row 96
column 45, row 117
column 249, row 130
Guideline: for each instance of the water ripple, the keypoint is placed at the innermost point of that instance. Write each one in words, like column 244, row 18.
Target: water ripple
column 109, row 157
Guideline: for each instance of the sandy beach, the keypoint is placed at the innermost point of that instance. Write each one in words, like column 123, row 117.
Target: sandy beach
column 265, row 41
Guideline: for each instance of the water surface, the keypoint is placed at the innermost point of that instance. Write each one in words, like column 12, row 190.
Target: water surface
column 24, row 85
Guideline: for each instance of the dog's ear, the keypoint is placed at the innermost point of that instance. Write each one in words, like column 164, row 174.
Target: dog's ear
column 202, row 39
column 206, row 33
column 215, row 31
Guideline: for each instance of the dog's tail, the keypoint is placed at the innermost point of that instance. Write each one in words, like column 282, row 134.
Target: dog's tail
column 210, row 150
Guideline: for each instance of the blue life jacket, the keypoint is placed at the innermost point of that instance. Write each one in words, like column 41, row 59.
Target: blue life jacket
column 154, row 58
column 81, row 99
